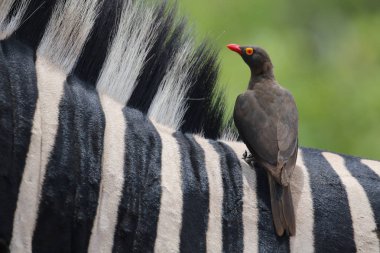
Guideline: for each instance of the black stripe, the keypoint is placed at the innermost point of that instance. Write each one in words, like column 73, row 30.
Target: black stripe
column 139, row 208
column 333, row 230
column 370, row 182
column 18, row 96
column 232, row 198
column 95, row 50
column 268, row 239
column 70, row 191
column 195, row 195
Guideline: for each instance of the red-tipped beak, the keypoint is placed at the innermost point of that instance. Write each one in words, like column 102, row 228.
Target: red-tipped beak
column 234, row 47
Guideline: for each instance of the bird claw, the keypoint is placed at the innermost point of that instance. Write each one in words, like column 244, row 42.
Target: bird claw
column 248, row 158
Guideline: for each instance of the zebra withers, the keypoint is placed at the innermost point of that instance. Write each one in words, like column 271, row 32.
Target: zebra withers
column 81, row 171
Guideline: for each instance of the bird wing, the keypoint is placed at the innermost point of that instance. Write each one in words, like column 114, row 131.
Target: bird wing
column 287, row 134
column 287, row 127
column 256, row 128
column 268, row 124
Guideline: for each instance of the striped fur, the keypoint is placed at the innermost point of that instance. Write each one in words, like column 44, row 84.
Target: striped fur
column 81, row 171
column 242, row 192
column 243, row 205
column 137, row 53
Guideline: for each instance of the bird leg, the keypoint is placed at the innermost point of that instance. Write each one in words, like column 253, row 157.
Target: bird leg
column 248, row 158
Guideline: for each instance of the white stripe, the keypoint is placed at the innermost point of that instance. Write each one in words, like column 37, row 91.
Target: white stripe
column 303, row 208
column 112, row 180
column 362, row 215
column 214, row 233
column 50, row 82
column 250, row 208
column 373, row 165
column 170, row 217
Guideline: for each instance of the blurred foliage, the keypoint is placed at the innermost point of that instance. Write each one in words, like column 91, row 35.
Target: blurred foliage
column 326, row 52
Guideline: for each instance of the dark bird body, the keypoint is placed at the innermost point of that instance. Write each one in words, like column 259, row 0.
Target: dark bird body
column 267, row 120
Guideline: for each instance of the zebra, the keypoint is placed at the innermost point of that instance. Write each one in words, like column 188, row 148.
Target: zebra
column 110, row 142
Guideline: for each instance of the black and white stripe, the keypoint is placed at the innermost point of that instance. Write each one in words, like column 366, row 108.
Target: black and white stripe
column 143, row 204
column 232, row 222
column 363, row 220
column 111, row 182
column 18, row 98
column 171, row 185
column 139, row 207
column 195, row 194
column 330, row 204
column 80, row 171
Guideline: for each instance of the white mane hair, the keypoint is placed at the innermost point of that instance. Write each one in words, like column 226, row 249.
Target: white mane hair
column 67, row 32
column 128, row 51
column 168, row 106
column 9, row 24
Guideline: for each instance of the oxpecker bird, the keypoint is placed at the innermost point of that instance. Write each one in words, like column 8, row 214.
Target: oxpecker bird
column 266, row 117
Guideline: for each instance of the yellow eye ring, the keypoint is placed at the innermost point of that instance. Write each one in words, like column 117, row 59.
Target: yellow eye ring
column 249, row 51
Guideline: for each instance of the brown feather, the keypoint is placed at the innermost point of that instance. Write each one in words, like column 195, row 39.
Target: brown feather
column 282, row 208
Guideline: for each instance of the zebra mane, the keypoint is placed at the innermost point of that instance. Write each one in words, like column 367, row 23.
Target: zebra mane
column 136, row 52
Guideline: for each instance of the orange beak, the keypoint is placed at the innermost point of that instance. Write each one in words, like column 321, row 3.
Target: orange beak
column 235, row 48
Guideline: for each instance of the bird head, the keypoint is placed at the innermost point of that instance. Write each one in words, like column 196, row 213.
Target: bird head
column 256, row 58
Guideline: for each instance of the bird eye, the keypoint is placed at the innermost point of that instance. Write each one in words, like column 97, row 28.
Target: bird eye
column 249, row 51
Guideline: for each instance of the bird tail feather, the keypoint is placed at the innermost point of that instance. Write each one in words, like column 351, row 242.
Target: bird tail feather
column 282, row 208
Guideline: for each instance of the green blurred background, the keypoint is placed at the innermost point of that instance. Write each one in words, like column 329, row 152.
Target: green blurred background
column 326, row 52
